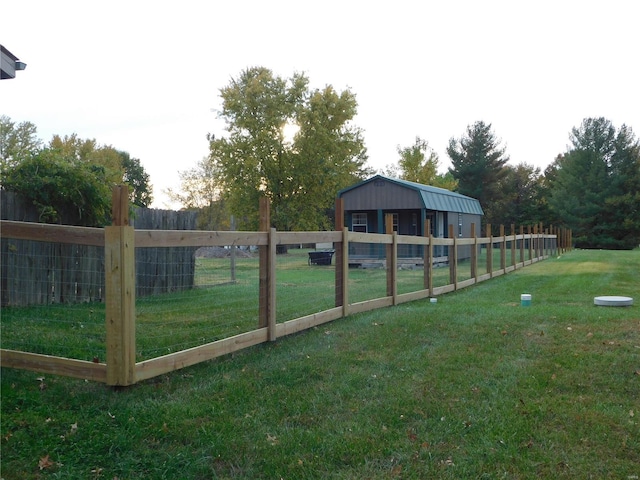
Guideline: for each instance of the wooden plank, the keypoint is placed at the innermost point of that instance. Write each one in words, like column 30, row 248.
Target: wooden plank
column 428, row 259
column 120, row 206
column 503, row 249
column 263, row 261
column 44, row 232
column 412, row 240
column 67, row 367
column 271, row 282
column 120, row 305
column 186, row 358
column 379, row 238
column 340, row 277
column 466, row 283
column 309, row 321
column 370, row 305
column 442, row 241
column 345, row 272
column 389, row 253
column 453, row 259
column 440, row 290
column 412, row 296
column 465, row 241
column 474, row 253
column 394, row 268
column 482, row 278
column 193, row 238
column 292, row 238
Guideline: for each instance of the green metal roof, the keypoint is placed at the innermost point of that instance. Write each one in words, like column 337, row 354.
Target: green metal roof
column 433, row 198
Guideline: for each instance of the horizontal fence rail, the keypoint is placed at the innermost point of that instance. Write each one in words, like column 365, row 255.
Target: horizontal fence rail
column 252, row 291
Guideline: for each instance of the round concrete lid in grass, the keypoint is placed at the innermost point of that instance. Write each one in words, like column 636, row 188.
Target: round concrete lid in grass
column 613, row 301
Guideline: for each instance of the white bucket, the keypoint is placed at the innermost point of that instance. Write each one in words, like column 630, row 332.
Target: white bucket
column 433, row 300
column 525, row 300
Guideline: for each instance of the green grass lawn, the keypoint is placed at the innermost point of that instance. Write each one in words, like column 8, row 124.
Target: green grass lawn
column 475, row 386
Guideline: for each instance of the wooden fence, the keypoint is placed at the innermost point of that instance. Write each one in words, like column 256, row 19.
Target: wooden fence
column 44, row 270
column 121, row 240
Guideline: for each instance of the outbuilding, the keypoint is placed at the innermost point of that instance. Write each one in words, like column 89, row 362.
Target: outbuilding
column 411, row 204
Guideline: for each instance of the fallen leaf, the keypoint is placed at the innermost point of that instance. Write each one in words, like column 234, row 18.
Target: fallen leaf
column 631, row 413
column 74, row 428
column 272, row 439
column 504, row 332
column 45, row 462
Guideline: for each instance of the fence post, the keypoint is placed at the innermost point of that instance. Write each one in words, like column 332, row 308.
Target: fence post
column 428, row 259
column 474, row 253
column 522, row 244
column 530, row 242
column 263, row 250
column 489, row 252
column 392, row 261
column 453, row 259
column 232, row 227
column 271, row 282
column 513, row 246
column 340, row 257
column 120, row 287
column 345, row 272
column 503, row 250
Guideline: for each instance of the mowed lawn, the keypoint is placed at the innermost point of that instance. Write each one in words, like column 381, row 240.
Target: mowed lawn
column 474, row 386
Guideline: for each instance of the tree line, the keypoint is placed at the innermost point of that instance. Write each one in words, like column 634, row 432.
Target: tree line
column 299, row 146
column 69, row 179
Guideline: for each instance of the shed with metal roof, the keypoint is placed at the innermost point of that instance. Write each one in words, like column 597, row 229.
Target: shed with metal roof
column 411, row 204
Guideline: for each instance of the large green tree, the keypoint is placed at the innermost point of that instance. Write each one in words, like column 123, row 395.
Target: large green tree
column 62, row 192
column 17, row 142
column 478, row 164
column 199, row 190
column 594, row 186
column 419, row 163
column 522, row 200
column 119, row 166
column 300, row 175
column 69, row 180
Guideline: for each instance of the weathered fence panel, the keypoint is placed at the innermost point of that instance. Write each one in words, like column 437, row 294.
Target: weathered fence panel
column 41, row 273
column 164, row 270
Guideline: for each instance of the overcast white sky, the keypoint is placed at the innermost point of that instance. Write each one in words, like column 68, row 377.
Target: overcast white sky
column 144, row 76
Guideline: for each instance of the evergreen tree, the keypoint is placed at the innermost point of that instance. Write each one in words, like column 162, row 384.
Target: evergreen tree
column 595, row 185
column 478, row 165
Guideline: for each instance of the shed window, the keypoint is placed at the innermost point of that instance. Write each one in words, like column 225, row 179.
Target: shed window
column 459, row 224
column 359, row 222
column 395, row 222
